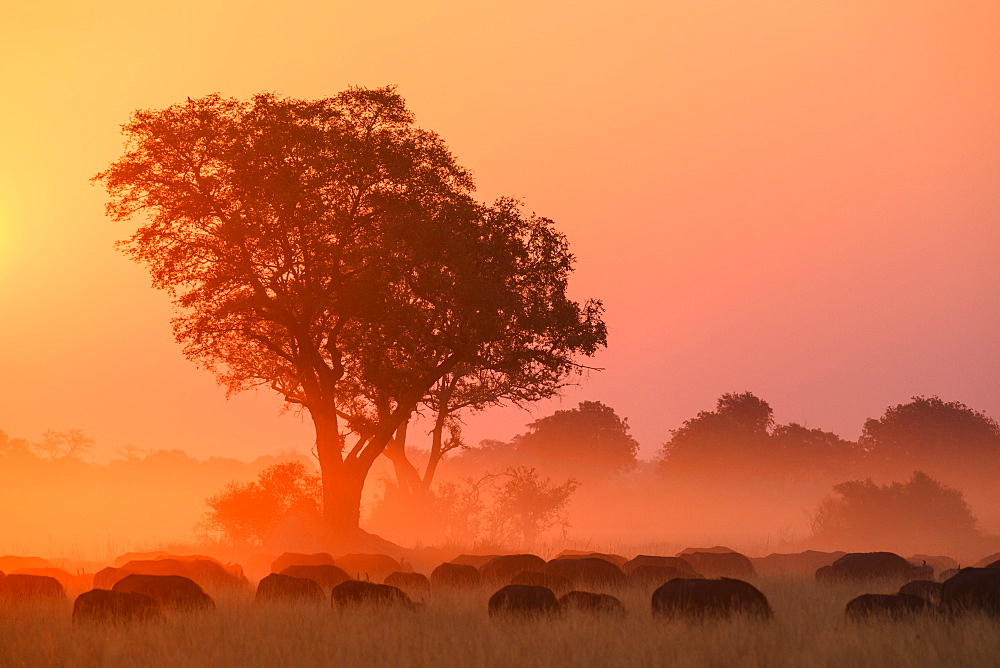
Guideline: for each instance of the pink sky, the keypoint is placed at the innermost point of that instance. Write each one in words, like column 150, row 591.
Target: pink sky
column 797, row 199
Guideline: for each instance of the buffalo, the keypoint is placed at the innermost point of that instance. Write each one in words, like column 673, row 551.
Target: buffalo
column 208, row 573
column 107, row 577
column 278, row 587
column 22, row 587
column 939, row 563
column 170, row 591
column 796, row 563
column 9, row 563
column 522, row 600
column 615, row 559
column 326, row 576
column 700, row 598
column 646, row 576
column 474, row 560
column 585, row 601
column 368, row 566
column 411, row 583
column 455, row 576
column 503, row 568
column 868, row 606
column 103, row 606
column 862, row 566
column 929, row 590
column 972, row 590
column 986, row 561
column 557, row 583
column 720, row 564
column 644, row 560
column 586, row 572
column 297, row 559
column 357, row 592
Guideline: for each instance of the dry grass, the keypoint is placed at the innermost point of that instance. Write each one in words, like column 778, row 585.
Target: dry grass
column 454, row 630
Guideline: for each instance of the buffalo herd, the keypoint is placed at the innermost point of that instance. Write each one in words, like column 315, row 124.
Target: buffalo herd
column 697, row 583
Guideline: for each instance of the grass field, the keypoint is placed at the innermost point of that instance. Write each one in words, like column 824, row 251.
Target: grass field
column 454, row 630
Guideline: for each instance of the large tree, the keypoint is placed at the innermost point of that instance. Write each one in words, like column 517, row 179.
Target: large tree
column 331, row 250
column 946, row 438
column 588, row 441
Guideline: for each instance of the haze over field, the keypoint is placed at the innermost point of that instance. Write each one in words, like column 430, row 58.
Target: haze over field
column 796, row 199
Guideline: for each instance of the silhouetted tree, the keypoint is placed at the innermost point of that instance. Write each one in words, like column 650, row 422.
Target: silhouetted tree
column 525, row 506
column 726, row 439
column 59, row 444
column 331, row 250
column 740, row 438
column 948, row 438
column 812, row 453
column 244, row 513
column 586, row 441
column 921, row 513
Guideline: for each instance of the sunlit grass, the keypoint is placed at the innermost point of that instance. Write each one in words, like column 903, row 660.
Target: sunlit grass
column 454, row 630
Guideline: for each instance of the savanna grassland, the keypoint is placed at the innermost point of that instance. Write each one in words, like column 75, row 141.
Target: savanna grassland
column 453, row 629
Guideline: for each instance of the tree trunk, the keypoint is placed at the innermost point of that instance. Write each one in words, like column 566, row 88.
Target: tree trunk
column 342, row 483
column 342, row 489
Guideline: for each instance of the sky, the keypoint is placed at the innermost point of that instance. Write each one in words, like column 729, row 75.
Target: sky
column 799, row 199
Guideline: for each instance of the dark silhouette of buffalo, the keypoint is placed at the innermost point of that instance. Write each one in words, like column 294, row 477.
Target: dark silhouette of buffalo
column 986, row 561
column 972, row 590
column 796, row 563
column 298, row 559
column 697, row 598
column 358, row 592
column 286, row 588
column 411, row 583
column 615, row 559
column 368, row 566
column 474, row 560
column 501, row 569
column 59, row 574
column 522, row 600
column 107, row 577
column 929, row 590
column 946, row 575
column 170, row 591
column 326, row 576
column 654, row 576
column 643, row 560
column 863, row 566
column 587, row 572
column 938, row 563
column 995, row 564
column 869, row 606
column 720, row 564
column 10, row 563
column 103, row 606
column 585, row 601
column 457, row 576
column 557, row 583
column 20, row 587
column 208, row 573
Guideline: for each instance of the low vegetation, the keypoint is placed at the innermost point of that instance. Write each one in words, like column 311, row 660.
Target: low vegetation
column 809, row 628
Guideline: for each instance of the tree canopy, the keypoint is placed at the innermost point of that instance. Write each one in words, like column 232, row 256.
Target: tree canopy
column 919, row 514
column 930, row 433
column 740, row 437
column 332, row 251
column 587, row 441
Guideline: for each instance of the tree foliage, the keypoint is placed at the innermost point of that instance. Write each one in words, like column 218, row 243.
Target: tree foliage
column 587, row 441
column 740, row 438
column 934, row 435
column 331, row 250
column 919, row 513
column 244, row 513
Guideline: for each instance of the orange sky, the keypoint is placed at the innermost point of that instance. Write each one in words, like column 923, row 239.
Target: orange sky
column 801, row 199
